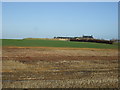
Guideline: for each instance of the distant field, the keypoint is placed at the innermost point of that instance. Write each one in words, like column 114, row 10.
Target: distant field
column 55, row 43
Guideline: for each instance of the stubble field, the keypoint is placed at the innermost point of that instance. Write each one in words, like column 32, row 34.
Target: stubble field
column 47, row 67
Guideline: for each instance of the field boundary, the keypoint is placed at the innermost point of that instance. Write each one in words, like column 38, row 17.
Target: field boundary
column 64, row 48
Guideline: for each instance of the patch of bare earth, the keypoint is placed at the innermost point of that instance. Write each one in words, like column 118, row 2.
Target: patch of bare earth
column 43, row 67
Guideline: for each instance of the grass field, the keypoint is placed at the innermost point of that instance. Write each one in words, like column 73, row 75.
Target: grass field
column 56, row 43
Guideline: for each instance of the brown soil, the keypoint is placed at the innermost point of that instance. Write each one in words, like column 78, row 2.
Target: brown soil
column 63, row 48
column 48, row 53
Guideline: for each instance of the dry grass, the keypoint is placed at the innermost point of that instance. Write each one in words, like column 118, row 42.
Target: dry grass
column 63, row 73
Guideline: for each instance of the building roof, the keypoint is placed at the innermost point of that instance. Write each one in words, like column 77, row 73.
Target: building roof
column 87, row 36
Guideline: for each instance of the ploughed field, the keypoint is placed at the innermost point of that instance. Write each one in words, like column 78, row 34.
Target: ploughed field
column 53, row 67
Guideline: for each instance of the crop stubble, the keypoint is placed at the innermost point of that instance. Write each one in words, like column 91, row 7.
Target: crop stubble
column 59, row 68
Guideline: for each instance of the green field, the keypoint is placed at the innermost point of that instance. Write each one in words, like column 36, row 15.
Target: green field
column 55, row 43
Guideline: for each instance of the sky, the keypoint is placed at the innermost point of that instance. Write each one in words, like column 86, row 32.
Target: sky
column 0, row 20
column 52, row 19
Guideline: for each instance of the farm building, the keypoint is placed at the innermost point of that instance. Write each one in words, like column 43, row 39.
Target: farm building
column 63, row 37
column 87, row 36
column 73, row 37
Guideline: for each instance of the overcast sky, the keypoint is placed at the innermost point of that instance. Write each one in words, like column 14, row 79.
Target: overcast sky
column 49, row 19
